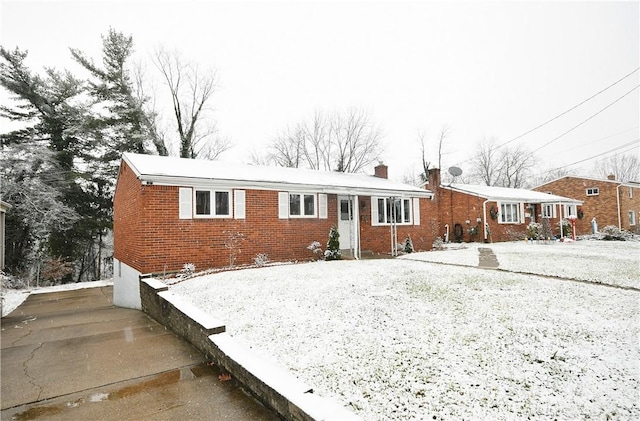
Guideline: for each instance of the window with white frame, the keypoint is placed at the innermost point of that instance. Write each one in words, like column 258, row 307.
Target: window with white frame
column 570, row 210
column 510, row 213
column 212, row 203
column 593, row 191
column 302, row 205
column 548, row 210
column 632, row 217
column 391, row 210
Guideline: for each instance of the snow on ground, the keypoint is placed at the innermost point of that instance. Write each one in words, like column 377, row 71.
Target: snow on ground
column 400, row 339
column 609, row 262
column 12, row 298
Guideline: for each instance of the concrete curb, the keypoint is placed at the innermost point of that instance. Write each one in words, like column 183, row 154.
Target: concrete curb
column 274, row 386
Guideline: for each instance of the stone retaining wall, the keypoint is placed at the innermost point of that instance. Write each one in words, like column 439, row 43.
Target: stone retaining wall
column 274, row 386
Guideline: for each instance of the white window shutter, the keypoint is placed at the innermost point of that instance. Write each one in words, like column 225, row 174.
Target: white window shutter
column 239, row 206
column 554, row 214
column 283, row 205
column 416, row 211
column 185, row 203
column 322, row 206
column 374, row 211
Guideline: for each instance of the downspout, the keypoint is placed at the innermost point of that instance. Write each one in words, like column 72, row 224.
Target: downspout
column 484, row 219
column 618, row 204
column 446, row 233
column 356, row 228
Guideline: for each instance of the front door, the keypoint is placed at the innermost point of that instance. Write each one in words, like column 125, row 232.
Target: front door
column 345, row 222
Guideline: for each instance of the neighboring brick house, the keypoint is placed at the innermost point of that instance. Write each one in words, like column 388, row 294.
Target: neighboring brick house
column 173, row 211
column 611, row 202
column 493, row 214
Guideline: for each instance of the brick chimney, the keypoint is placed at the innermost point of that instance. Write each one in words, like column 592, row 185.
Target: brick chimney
column 611, row 177
column 434, row 178
column 381, row 170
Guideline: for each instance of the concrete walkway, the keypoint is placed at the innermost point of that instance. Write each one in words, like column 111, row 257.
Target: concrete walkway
column 73, row 355
column 487, row 258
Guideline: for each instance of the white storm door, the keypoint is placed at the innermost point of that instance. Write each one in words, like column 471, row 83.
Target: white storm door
column 345, row 222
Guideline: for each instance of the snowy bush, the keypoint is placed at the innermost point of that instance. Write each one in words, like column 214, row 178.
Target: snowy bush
column 315, row 248
column 333, row 245
column 408, row 245
column 261, row 259
column 188, row 269
column 438, row 244
column 534, row 230
column 613, row 233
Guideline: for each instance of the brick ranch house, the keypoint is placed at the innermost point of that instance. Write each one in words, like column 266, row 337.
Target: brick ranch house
column 493, row 214
column 173, row 211
column 611, row 202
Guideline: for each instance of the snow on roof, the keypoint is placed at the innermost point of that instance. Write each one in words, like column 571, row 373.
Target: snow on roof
column 181, row 171
column 629, row 183
column 506, row 193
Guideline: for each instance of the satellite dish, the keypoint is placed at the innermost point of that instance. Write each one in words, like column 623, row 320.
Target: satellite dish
column 455, row 171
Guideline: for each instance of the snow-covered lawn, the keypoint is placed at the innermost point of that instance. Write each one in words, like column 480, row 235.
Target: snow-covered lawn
column 400, row 339
column 608, row 262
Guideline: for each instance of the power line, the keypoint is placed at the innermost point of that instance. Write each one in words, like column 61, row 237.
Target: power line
column 633, row 142
column 598, row 140
column 556, row 117
column 584, row 121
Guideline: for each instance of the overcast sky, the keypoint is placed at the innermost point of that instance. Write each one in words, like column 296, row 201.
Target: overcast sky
column 484, row 69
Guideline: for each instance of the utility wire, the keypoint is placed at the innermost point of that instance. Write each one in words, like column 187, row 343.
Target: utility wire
column 633, row 142
column 556, row 117
column 584, row 121
column 597, row 140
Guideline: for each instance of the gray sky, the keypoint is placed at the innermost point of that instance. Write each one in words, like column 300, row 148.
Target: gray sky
column 484, row 69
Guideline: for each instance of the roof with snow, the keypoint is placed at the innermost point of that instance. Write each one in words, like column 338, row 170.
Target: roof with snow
column 505, row 193
column 630, row 183
column 194, row 172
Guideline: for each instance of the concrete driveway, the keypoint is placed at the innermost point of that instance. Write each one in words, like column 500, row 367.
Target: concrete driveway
column 73, row 355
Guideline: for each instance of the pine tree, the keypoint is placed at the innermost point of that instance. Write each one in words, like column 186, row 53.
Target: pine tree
column 408, row 245
column 333, row 245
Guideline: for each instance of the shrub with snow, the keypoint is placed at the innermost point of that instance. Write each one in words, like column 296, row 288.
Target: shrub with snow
column 613, row 233
column 438, row 244
column 261, row 259
column 408, row 245
column 315, row 249
column 333, row 245
column 188, row 269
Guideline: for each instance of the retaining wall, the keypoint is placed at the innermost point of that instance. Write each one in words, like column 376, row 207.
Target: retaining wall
column 274, row 386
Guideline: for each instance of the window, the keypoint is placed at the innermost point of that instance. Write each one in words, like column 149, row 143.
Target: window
column 302, row 205
column 391, row 210
column 570, row 210
column 509, row 213
column 548, row 210
column 212, row 203
column 593, row 191
column 632, row 217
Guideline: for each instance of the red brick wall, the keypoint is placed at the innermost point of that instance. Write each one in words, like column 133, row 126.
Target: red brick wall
column 458, row 208
column 150, row 237
column 127, row 210
column 378, row 238
column 603, row 207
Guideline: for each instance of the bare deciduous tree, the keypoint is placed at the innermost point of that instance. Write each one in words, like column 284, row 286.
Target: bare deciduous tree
column 625, row 167
column 191, row 90
column 345, row 142
column 505, row 167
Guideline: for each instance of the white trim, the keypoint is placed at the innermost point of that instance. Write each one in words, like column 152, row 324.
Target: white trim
column 185, row 207
column 302, row 196
column 239, row 204
column 323, row 212
column 283, row 205
column 212, row 204
column 518, row 206
column 416, row 211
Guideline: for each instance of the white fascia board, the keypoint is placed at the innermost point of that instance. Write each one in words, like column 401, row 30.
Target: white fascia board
column 291, row 187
